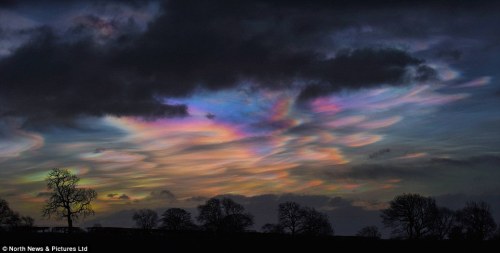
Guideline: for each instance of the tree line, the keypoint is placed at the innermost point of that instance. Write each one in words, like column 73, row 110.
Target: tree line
column 408, row 216
column 216, row 215
column 413, row 216
column 11, row 220
column 226, row 216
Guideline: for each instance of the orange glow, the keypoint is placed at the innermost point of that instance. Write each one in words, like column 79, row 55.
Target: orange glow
column 412, row 156
column 381, row 123
column 360, row 139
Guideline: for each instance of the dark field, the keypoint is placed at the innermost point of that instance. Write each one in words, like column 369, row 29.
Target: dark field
column 246, row 242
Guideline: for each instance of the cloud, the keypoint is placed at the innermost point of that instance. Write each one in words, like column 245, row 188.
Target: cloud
column 112, row 156
column 65, row 81
column 379, row 153
column 15, row 3
column 377, row 172
column 417, row 173
column 425, row 168
column 156, row 197
column 15, row 141
column 163, row 194
column 52, row 78
column 195, row 156
column 365, row 68
column 44, row 194
column 197, row 199
column 124, row 197
column 467, row 161
column 317, row 48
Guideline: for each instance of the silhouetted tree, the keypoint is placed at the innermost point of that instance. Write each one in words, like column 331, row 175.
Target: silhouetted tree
column 272, row 228
column 410, row 215
column 457, row 233
column 444, row 221
column 235, row 219
column 237, row 222
column 146, row 219
column 496, row 235
column 315, row 223
column 27, row 221
column 294, row 219
column 210, row 214
column 17, row 220
column 5, row 214
column 476, row 221
column 67, row 200
column 13, row 221
column 290, row 216
column 10, row 219
column 369, row 232
column 224, row 216
column 177, row 219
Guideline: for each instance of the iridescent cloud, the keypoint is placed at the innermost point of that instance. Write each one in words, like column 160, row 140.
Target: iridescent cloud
column 482, row 81
column 257, row 142
column 14, row 141
column 254, row 146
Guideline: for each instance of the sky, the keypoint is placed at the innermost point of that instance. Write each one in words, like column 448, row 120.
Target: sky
column 339, row 105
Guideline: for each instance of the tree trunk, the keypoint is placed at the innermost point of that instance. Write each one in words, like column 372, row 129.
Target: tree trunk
column 70, row 223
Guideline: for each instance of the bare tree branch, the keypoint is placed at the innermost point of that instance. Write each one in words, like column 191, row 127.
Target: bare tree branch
column 67, row 200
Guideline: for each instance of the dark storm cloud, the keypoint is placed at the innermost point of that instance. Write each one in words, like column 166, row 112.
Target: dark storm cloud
column 15, row 3
column 46, row 80
column 215, row 45
column 273, row 44
column 362, row 68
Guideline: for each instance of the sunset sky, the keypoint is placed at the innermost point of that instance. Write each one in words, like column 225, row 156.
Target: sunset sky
column 340, row 105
